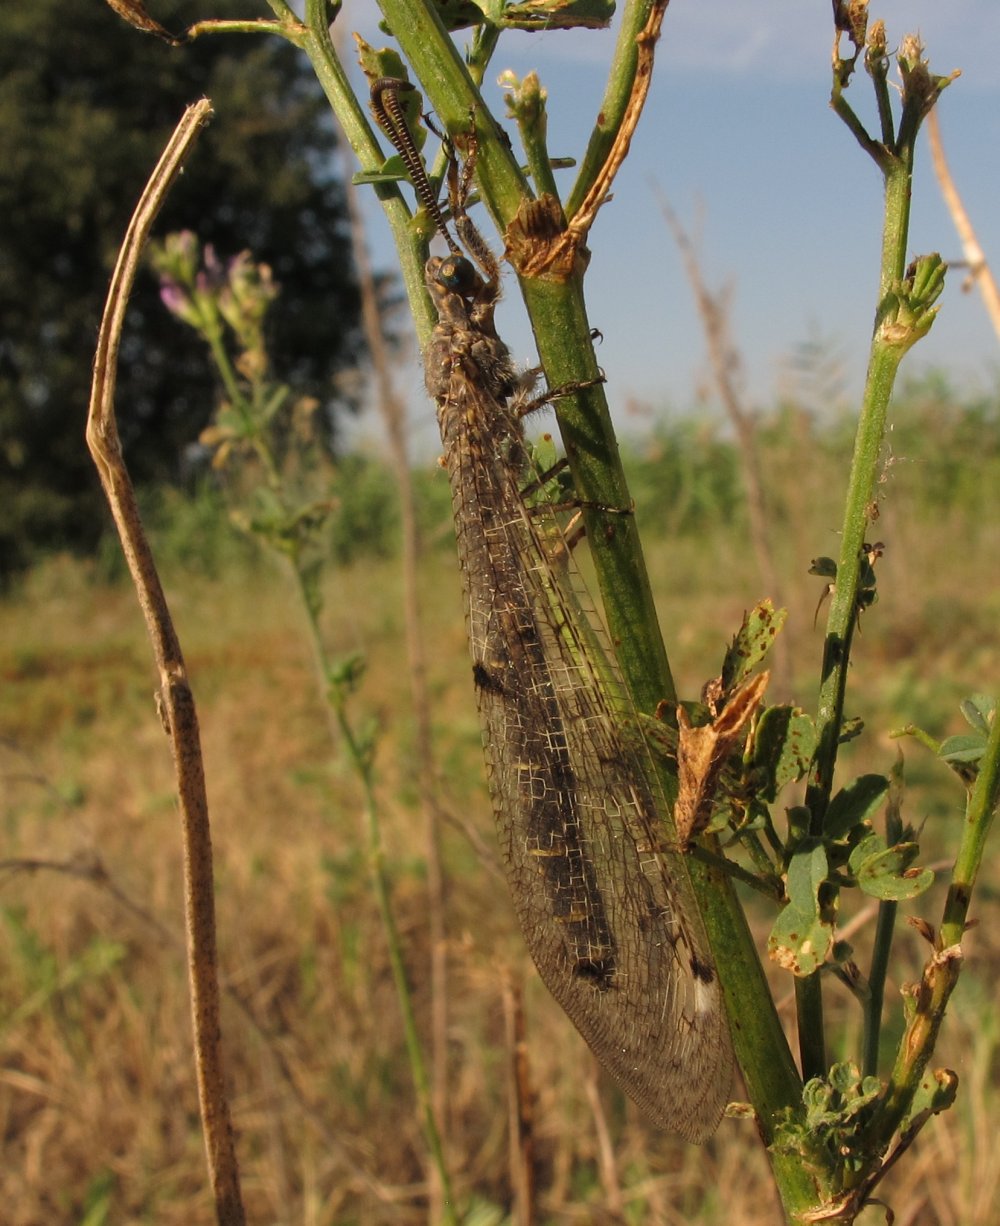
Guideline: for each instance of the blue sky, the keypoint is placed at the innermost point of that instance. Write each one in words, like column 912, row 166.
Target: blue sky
column 739, row 137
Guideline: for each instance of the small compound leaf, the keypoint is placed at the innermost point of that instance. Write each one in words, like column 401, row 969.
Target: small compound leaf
column 978, row 712
column 887, row 873
column 806, row 873
column 753, row 640
column 872, row 844
column 969, row 747
column 783, row 745
column 799, row 941
column 854, row 804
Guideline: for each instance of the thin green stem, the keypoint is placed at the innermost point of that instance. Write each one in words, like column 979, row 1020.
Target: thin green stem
column 884, row 928
column 360, row 753
column 527, row 105
column 614, row 104
column 979, row 816
column 882, row 945
column 942, row 970
column 878, row 68
column 290, row 28
column 354, row 124
column 484, row 44
column 844, row 608
column 212, row 331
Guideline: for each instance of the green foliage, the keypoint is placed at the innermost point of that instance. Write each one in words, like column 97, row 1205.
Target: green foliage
column 366, row 523
column 85, row 106
column 688, row 477
column 191, row 531
column 831, row 1135
column 35, row 975
column 751, row 644
column 964, row 752
column 783, row 745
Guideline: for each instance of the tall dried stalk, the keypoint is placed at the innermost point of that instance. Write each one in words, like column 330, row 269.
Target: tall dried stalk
column 174, row 697
column 980, row 272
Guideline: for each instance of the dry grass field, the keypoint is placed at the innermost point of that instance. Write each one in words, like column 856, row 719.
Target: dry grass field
column 98, row 1111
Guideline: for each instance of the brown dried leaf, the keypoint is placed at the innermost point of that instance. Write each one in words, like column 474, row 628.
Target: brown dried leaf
column 702, row 753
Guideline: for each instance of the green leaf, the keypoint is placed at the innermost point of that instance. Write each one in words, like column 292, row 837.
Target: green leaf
column 854, row 804
column 884, row 872
column 969, row 747
column 802, row 935
column 800, row 941
column 825, row 567
column 752, row 643
column 783, row 746
column 806, row 873
column 386, row 62
column 936, row 1093
column 978, row 711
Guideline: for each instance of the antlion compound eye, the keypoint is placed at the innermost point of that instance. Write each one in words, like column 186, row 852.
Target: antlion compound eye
column 456, row 273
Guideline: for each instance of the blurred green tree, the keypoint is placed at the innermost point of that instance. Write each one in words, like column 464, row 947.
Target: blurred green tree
column 86, row 104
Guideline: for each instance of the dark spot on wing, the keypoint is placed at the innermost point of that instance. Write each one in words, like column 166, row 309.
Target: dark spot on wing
column 598, row 971
column 483, row 679
column 702, row 970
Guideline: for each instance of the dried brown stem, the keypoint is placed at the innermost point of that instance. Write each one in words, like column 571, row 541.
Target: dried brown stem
column 521, row 1115
column 174, row 697
column 979, row 270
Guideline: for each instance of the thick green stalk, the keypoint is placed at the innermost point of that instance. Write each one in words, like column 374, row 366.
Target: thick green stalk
column 444, row 77
column 563, row 335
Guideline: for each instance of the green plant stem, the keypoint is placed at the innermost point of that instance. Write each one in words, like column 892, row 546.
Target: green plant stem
column 614, row 104
column 772, row 1081
column 844, row 610
column 563, row 336
column 455, row 96
column 528, row 107
column 882, row 944
column 289, row 29
column 979, row 816
column 213, row 332
column 354, row 124
column 314, row 39
column 359, row 751
column 942, row 970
